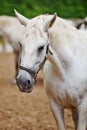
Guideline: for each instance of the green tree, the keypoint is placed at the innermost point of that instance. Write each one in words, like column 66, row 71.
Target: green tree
column 31, row 8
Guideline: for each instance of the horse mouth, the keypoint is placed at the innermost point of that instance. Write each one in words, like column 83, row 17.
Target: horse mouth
column 25, row 89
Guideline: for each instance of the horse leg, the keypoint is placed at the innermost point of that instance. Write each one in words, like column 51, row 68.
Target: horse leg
column 16, row 54
column 16, row 62
column 4, row 43
column 58, row 113
column 5, row 40
column 82, row 115
column 81, row 122
column 75, row 118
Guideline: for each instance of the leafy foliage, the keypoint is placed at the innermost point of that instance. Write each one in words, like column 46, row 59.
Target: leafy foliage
column 31, row 8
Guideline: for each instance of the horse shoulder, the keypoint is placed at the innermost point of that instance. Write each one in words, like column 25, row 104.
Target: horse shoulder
column 71, row 88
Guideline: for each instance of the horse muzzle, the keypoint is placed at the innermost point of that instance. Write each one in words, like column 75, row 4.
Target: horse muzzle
column 25, row 81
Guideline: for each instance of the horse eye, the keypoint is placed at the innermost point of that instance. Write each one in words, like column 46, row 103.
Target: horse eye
column 40, row 48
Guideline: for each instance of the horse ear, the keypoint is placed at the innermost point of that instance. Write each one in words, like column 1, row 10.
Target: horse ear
column 50, row 22
column 23, row 20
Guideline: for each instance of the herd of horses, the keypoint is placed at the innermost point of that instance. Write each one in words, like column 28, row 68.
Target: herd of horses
column 58, row 47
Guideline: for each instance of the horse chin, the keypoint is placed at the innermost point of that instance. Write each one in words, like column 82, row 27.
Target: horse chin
column 26, row 90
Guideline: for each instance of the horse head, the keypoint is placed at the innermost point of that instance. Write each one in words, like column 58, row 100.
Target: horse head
column 34, row 47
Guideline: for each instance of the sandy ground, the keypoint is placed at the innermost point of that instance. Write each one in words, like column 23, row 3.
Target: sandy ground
column 22, row 111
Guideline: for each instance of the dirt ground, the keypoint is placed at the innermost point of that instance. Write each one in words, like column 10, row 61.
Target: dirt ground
column 22, row 111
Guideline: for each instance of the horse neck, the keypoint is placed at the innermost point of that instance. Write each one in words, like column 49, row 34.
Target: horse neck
column 59, row 41
column 54, row 56
column 63, row 35
column 55, row 38
column 56, row 63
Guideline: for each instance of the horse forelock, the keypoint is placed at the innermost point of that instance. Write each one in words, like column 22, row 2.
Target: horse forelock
column 36, row 25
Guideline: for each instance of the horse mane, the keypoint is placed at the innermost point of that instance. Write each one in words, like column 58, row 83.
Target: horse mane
column 61, row 33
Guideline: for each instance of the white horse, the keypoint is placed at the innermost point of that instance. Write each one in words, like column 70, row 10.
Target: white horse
column 11, row 30
column 61, row 50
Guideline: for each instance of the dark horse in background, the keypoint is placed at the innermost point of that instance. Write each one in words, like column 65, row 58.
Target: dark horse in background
column 82, row 25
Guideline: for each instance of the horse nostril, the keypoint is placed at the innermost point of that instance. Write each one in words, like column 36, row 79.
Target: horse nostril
column 28, row 82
